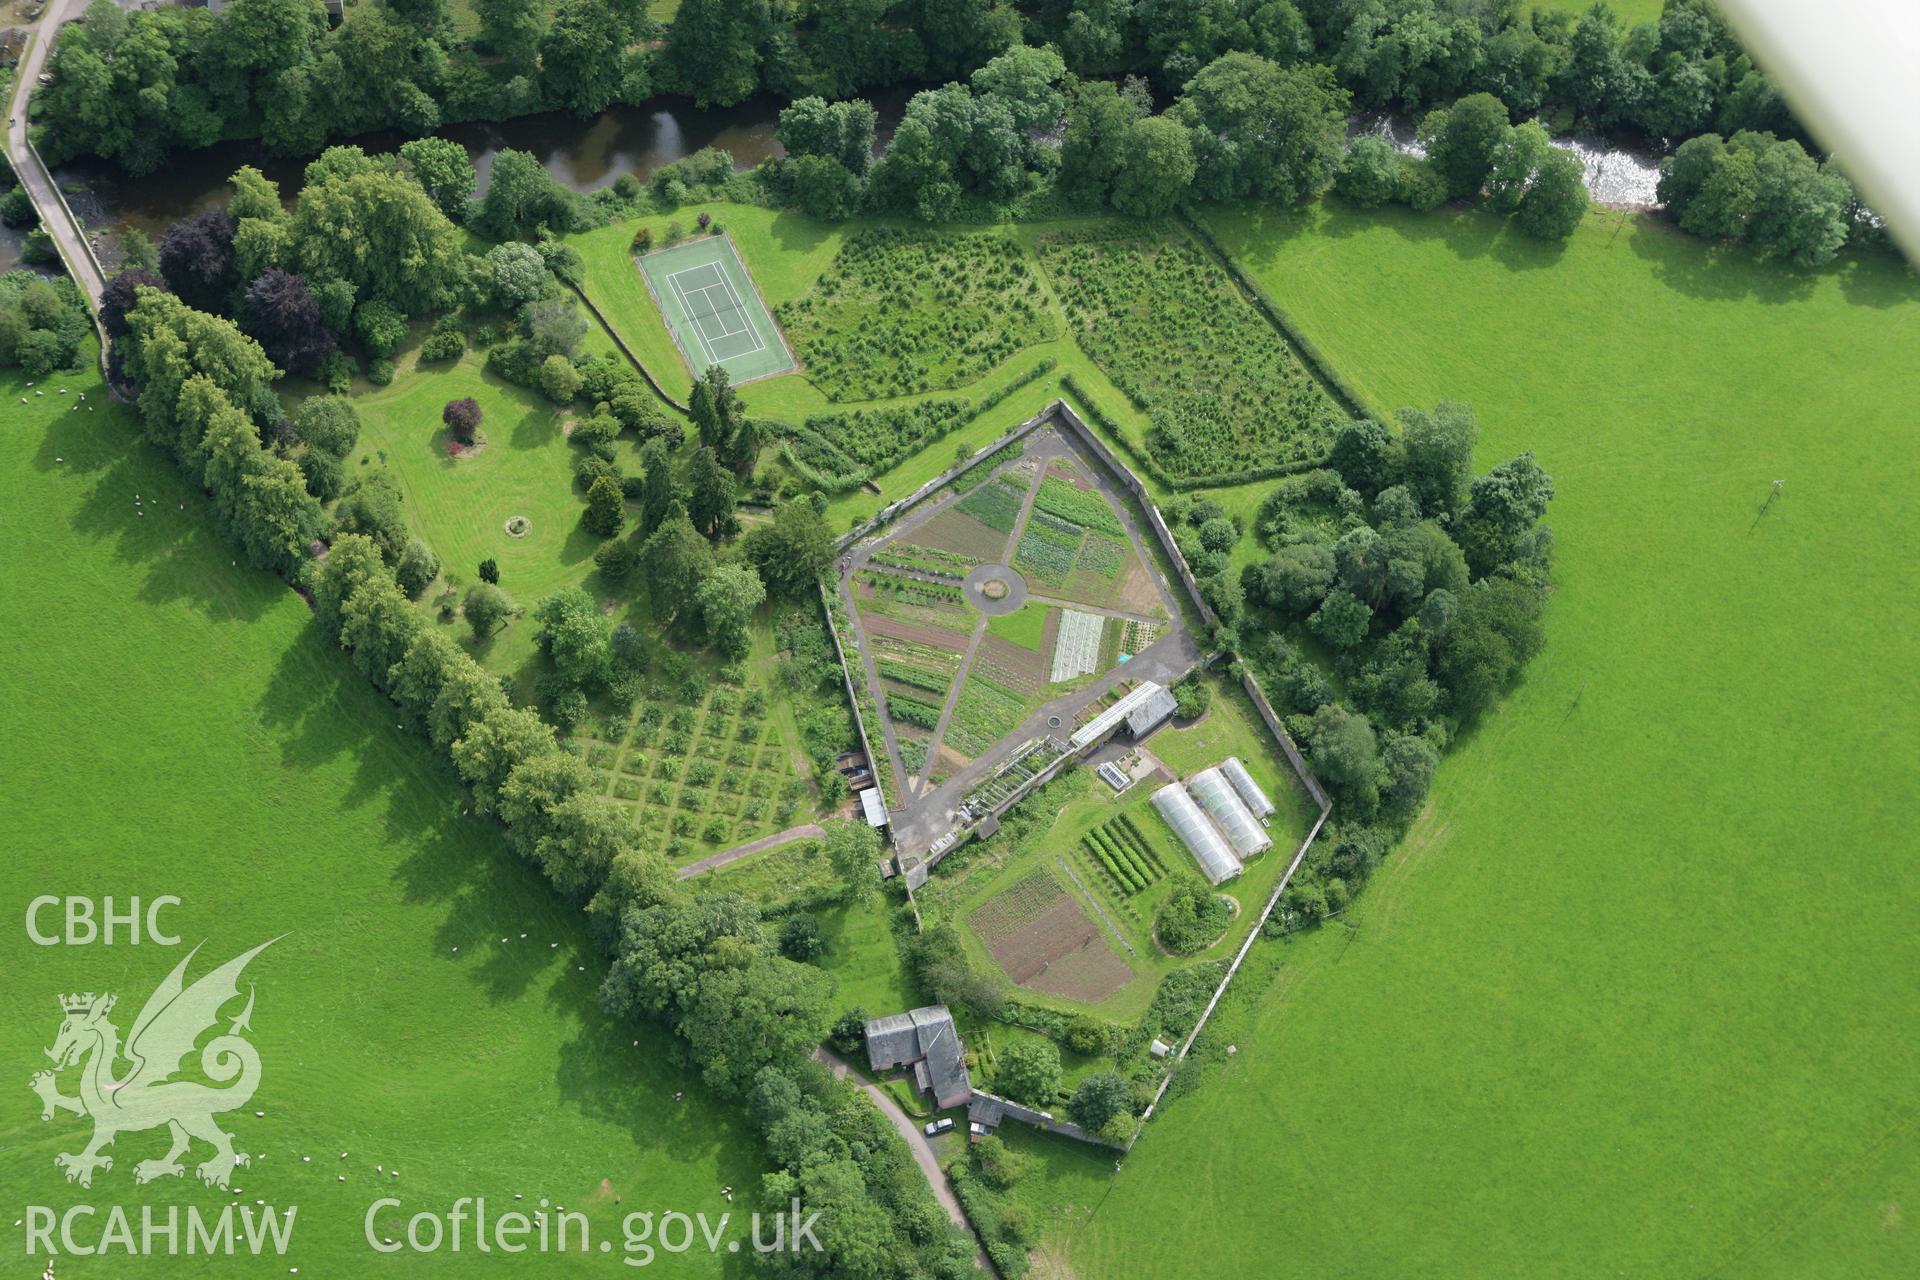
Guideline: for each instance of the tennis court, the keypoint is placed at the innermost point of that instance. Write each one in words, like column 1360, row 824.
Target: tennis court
column 713, row 311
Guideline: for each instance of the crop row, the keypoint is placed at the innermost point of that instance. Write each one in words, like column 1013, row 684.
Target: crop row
column 913, row 590
column 912, row 710
column 908, row 555
column 1101, row 556
column 981, row 470
column 985, row 714
column 1078, row 506
column 913, row 653
column 1124, row 856
column 903, row 311
column 1046, row 553
column 901, row 673
column 997, row 505
column 874, row 439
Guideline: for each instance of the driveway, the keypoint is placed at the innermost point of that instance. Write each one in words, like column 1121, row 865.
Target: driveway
column 33, row 175
column 923, row 1154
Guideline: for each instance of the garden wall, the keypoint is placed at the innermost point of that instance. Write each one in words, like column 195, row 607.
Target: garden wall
column 903, row 505
column 627, row 351
column 1131, row 483
column 853, row 699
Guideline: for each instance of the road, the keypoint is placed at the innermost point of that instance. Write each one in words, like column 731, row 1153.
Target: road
column 54, row 214
column 806, row 830
column 923, row 1154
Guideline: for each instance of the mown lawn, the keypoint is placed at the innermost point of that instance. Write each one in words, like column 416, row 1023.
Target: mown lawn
column 1635, row 997
column 177, row 726
column 460, row 505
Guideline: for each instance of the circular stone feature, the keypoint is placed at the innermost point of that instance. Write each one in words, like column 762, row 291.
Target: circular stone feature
column 518, row 526
column 995, row 590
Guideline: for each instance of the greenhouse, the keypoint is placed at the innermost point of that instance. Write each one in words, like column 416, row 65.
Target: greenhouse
column 1215, row 794
column 1246, row 788
column 1196, row 832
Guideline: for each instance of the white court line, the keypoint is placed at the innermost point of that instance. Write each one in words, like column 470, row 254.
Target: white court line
column 741, row 307
column 733, row 301
column 699, row 322
column 687, row 309
column 720, row 313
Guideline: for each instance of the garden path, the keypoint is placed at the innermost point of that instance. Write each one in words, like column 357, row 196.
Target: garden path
column 713, row 862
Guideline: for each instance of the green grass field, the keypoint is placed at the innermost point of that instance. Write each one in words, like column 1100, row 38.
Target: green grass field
column 1631, row 13
column 1025, row 626
column 713, row 310
column 1634, row 997
column 177, row 726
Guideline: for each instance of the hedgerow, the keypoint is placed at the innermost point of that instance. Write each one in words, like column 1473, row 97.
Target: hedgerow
column 841, row 451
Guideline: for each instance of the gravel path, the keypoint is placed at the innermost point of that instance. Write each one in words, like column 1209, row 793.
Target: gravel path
column 805, row 831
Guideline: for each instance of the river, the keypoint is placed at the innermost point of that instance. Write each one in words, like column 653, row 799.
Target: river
column 587, row 154
column 1618, row 175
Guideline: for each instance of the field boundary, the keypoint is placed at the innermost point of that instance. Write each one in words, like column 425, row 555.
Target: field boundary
column 1311, row 357
column 628, row 351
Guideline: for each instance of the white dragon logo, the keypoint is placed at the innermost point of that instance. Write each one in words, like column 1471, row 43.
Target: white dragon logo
column 146, row 1097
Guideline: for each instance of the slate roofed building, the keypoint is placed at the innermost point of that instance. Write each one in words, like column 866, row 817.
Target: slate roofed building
column 1151, row 713
column 924, row 1040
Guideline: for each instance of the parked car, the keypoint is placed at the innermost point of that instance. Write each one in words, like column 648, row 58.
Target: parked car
column 935, row 1128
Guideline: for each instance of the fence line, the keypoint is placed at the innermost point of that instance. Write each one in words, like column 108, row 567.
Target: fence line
column 1252, row 935
column 626, row 350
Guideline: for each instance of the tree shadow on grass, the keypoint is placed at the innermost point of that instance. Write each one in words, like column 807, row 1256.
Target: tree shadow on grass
column 604, row 1076
column 168, row 531
column 796, row 232
column 1715, row 272
column 1879, row 279
column 536, row 428
column 581, row 542
column 319, row 708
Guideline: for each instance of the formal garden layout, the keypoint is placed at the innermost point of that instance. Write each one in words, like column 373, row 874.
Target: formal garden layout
column 598, row 549
column 992, row 613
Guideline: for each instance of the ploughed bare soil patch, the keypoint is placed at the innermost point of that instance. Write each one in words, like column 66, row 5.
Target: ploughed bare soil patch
column 1036, row 931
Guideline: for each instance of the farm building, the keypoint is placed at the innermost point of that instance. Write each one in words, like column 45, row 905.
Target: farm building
column 1216, row 795
column 1200, row 836
column 1246, row 788
column 923, row 1039
column 874, row 807
column 1150, row 714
